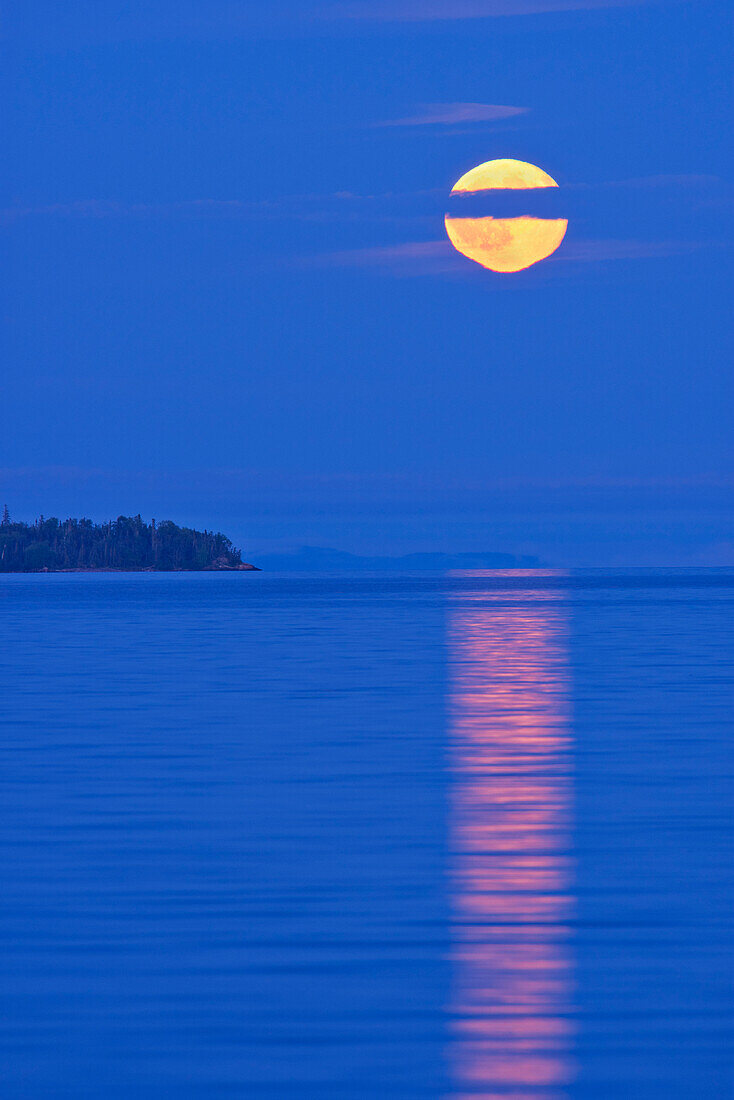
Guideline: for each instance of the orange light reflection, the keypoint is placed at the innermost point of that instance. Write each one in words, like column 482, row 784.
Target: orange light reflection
column 511, row 822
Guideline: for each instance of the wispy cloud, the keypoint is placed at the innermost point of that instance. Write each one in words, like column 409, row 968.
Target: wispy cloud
column 408, row 258
column 595, row 251
column 413, row 218
column 108, row 208
column 61, row 27
column 449, row 114
column 264, row 481
column 671, row 180
column 344, row 205
column 348, row 205
column 418, row 11
column 438, row 257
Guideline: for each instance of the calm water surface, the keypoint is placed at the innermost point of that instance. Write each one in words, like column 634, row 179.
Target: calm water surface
column 462, row 836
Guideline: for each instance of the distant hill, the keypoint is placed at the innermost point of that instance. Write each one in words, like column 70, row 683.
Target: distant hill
column 320, row 559
column 127, row 543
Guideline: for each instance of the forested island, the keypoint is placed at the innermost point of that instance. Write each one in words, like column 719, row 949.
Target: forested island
column 127, row 543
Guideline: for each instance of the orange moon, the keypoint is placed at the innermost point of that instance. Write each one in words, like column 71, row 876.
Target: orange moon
column 505, row 244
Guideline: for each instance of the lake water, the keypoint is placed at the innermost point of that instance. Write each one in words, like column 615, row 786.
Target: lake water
column 461, row 836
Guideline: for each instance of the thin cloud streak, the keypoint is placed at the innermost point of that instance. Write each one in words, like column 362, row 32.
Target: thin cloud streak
column 108, row 208
column 449, row 114
column 681, row 180
column 408, row 259
column 342, row 204
column 268, row 479
column 345, row 205
column 420, row 11
column 438, row 257
column 61, row 27
column 594, row 251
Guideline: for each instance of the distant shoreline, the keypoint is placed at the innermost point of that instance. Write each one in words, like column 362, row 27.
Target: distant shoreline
column 246, row 567
column 125, row 545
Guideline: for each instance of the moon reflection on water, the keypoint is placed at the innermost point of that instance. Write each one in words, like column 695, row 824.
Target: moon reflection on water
column 511, row 820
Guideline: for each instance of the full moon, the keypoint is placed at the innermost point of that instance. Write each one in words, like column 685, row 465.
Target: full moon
column 505, row 244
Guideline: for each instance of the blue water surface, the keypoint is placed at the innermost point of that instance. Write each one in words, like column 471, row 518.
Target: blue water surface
column 460, row 836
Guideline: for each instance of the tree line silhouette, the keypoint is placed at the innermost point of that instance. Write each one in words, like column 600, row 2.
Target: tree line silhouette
column 125, row 543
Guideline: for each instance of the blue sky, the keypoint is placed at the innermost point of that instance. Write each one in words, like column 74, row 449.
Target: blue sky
column 230, row 299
